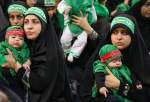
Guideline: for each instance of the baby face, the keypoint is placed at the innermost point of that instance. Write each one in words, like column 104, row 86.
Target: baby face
column 115, row 63
column 15, row 41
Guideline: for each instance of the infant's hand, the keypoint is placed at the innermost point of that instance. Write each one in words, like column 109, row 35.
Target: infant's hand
column 27, row 64
column 103, row 91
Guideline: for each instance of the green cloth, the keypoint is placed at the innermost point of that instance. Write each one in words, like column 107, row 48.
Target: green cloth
column 107, row 49
column 133, row 2
column 17, row 8
column 122, row 73
column 125, row 21
column 60, row 19
column 79, row 5
column 122, row 7
column 49, row 3
column 101, row 9
column 38, row 12
column 13, row 27
column 21, row 55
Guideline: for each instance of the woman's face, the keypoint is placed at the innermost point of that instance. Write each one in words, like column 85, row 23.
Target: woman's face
column 16, row 18
column 32, row 27
column 145, row 9
column 30, row 3
column 120, row 38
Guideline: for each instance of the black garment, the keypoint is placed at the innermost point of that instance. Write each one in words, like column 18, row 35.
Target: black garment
column 143, row 22
column 56, row 20
column 135, row 57
column 3, row 25
column 14, row 83
column 5, row 5
column 13, row 97
column 101, row 27
column 112, row 4
column 47, row 77
column 3, row 20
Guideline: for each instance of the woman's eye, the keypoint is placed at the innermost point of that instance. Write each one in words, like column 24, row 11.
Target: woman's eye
column 35, row 21
column 25, row 21
column 114, row 32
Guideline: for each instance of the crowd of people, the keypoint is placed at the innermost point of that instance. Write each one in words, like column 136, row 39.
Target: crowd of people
column 74, row 50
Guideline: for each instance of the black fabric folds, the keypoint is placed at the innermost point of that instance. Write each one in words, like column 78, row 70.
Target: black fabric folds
column 47, row 77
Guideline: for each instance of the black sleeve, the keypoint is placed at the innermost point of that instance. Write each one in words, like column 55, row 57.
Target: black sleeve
column 39, row 76
column 136, row 81
column 20, row 73
column 100, row 80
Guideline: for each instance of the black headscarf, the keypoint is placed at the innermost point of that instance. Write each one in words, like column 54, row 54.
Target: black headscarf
column 3, row 19
column 47, row 76
column 144, row 23
column 135, row 57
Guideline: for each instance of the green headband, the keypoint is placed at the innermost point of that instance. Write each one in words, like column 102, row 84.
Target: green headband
column 38, row 12
column 13, row 27
column 49, row 2
column 16, row 8
column 125, row 21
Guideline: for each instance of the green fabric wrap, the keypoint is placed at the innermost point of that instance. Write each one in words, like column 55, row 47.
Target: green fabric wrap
column 13, row 27
column 79, row 5
column 107, row 49
column 122, row 7
column 133, row 2
column 125, row 21
column 122, row 73
column 38, row 12
column 21, row 55
column 17, row 8
column 49, row 3
column 101, row 9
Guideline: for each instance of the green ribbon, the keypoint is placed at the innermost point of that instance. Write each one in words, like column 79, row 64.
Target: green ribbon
column 17, row 8
column 38, row 12
column 125, row 21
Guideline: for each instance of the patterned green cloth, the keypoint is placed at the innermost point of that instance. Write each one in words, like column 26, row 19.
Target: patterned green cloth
column 122, row 73
column 101, row 9
column 20, row 54
column 79, row 5
column 122, row 7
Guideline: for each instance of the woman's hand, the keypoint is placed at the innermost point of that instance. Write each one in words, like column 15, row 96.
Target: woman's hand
column 82, row 22
column 111, row 81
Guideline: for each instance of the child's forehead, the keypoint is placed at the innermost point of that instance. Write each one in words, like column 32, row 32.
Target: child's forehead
column 116, row 58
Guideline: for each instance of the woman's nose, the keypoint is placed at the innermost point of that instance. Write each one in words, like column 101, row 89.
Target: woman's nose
column 29, row 26
column 15, row 21
column 119, row 36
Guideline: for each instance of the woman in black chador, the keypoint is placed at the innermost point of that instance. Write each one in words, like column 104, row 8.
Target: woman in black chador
column 47, row 70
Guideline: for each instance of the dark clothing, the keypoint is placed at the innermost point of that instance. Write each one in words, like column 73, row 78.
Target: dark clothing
column 3, row 25
column 143, row 22
column 13, row 97
column 140, row 68
column 101, row 27
column 47, row 76
column 57, row 21
column 3, row 19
